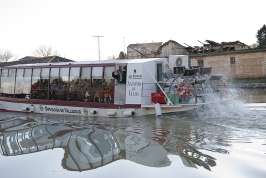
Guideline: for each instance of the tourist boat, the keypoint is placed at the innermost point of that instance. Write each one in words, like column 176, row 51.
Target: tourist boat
column 110, row 88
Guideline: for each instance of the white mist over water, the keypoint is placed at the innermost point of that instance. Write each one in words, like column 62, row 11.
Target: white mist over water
column 226, row 110
column 234, row 109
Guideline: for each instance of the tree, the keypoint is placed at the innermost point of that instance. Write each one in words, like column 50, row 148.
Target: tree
column 254, row 45
column 261, row 36
column 5, row 55
column 122, row 55
column 111, row 57
column 44, row 51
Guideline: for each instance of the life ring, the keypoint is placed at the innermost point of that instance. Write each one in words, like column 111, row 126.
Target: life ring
column 220, row 83
column 183, row 90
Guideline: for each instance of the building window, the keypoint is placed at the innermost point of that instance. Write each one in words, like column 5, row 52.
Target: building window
column 200, row 63
column 232, row 60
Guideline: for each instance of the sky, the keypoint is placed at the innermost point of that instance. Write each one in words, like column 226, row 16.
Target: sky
column 68, row 26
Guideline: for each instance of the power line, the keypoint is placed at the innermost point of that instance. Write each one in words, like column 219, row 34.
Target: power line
column 98, row 45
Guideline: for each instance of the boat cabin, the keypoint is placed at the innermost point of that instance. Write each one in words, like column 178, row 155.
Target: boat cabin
column 117, row 82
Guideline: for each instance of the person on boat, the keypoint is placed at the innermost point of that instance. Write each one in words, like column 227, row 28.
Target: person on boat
column 120, row 75
column 61, row 83
column 54, row 85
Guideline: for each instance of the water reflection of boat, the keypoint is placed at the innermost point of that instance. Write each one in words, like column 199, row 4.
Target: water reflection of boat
column 88, row 146
column 102, row 88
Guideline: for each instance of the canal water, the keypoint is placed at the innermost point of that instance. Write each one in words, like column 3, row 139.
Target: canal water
column 216, row 141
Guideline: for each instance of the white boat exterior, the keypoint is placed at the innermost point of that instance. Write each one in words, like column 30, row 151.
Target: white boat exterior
column 132, row 98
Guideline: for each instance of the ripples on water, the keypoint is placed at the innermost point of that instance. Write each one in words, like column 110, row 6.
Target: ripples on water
column 199, row 138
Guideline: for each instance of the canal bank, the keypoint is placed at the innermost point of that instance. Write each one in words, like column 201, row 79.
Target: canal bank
column 251, row 90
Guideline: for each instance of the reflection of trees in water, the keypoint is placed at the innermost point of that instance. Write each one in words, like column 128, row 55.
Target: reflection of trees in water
column 190, row 156
column 187, row 137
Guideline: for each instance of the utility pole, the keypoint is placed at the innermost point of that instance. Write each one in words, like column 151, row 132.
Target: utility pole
column 98, row 45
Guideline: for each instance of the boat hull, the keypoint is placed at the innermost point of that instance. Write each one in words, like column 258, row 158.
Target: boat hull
column 116, row 111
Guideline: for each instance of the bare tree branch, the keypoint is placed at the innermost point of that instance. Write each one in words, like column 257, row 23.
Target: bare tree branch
column 44, row 51
column 111, row 57
column 5, row 55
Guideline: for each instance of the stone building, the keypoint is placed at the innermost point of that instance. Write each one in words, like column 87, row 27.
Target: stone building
column 171, row 47
column 231, row 59
column 151, row 50
column 142, row 50
column 250, row 63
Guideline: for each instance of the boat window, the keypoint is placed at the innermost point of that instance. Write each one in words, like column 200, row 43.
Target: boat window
column 62, row 92
column 85, row 81
column 97, row 72
column 108, row 85
column 42, row 91
column 19, row 84
column 4, row 83
column 11, row 82
column 35, row 83
column 74, row 94
column 44, row 79
column 53, row 82
column 27, row 82
column 4, row 73
column 97, row 84
column 20, row 73
column 12, row 73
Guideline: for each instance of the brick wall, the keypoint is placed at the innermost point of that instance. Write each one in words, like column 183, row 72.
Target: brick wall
column 239, row 64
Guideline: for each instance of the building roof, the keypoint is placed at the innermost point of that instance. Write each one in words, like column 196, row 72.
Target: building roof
column 159, row 50
column 27, row 60
column 141, row 44
column 28, row 57
column 213, row 43
column 121, row 62
column 228, row 52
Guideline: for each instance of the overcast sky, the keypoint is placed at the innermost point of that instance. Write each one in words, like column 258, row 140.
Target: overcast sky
column 68, row 26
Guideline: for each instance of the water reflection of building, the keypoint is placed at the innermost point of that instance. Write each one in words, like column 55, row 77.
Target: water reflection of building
column 89, row 146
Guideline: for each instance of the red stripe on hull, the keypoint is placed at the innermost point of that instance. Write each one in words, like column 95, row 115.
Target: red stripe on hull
column 69, row 103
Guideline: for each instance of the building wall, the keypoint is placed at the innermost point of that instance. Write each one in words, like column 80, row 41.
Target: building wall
column 172, row 49
column 247, row 64
column 142, row 50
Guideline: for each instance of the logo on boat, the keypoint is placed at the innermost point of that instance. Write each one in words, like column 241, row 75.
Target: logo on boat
column 41, row 107
column 130, row 76
column 85, row 111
